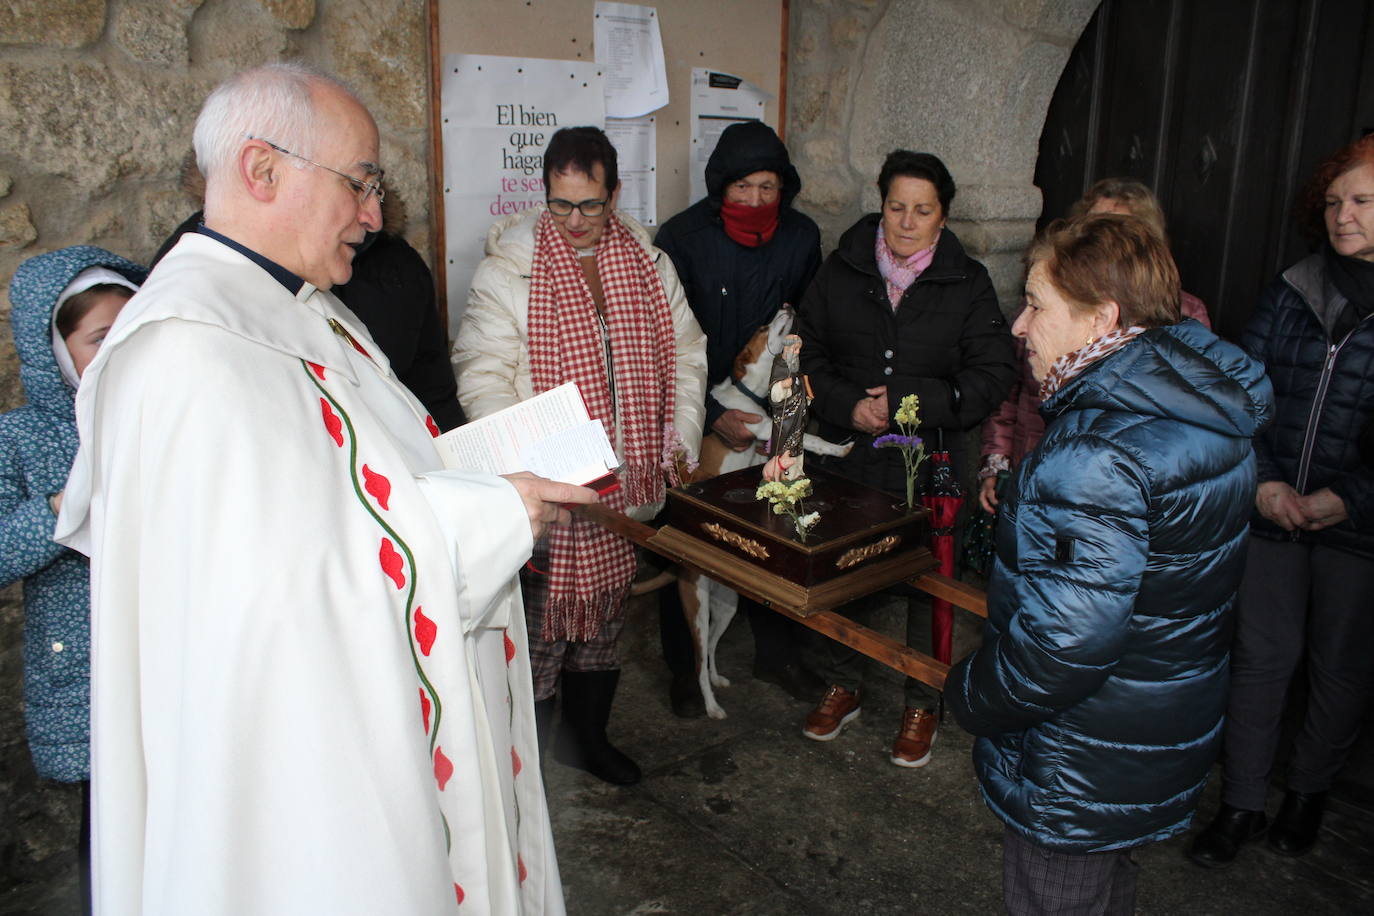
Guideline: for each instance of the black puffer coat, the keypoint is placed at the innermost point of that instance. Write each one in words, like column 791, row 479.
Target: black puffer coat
column 734, row 289
column 948, row 343
column 1099, row 690
column 1324, row 396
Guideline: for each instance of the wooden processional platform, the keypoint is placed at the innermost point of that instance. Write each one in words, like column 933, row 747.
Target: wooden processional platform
column 863, row 543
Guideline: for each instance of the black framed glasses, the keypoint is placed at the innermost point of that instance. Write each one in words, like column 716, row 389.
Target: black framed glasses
column 364, row 189
column 589, row 208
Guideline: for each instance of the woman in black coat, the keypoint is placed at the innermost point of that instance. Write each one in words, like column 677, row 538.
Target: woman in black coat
column 899, row 308
column 1310, row 571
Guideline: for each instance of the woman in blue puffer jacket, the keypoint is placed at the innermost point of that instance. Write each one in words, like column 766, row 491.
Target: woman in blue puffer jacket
column 1099, row 689
column 61, row 304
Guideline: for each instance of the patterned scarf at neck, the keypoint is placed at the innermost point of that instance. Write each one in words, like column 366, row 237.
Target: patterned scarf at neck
column 1071, row 364
column 899, row 273
column 590, row 568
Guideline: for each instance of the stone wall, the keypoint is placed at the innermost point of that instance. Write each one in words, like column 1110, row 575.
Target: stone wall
column 97, row 101
column 968, row 80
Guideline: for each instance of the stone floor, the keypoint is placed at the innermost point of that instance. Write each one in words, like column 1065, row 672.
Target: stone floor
column 744, row 817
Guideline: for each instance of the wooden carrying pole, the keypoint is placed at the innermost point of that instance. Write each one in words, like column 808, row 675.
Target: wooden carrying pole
column 871, row 643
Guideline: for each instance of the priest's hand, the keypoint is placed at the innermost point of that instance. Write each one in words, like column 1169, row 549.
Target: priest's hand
column 546, row 500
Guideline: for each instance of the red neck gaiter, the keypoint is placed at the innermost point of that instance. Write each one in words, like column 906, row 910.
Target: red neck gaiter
column 750, row 226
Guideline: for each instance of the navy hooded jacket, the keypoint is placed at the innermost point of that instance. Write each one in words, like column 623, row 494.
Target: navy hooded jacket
column 734, row 289
column 1324, row 394
column 1100, row 687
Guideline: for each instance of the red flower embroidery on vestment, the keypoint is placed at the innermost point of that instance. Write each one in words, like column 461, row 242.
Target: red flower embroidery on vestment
column 510, row 646
column 515, row 764
column 458, row 892
column 392, row 564
column 443, row 768
column 332, row 424
column 520, row 861
column 425, row 631
column 424, row 709
column 317, row 369
column 431, row 426
column 377, row 485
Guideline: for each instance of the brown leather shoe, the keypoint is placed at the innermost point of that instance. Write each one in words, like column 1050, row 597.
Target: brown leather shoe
column 912, row 747
column 836, row 709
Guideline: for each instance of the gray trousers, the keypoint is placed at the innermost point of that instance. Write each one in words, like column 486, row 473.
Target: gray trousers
column 1036, row 880
column 838, row 664
column 1296, row 601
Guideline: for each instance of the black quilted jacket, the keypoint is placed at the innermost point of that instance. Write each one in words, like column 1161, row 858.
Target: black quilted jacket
column 1324, row 396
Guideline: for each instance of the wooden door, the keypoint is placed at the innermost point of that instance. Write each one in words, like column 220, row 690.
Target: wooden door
column 1224, row 107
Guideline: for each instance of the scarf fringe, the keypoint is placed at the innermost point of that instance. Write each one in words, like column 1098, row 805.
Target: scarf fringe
column 578, row 618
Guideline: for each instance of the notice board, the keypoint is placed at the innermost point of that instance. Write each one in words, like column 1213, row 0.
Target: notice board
column 745, row 38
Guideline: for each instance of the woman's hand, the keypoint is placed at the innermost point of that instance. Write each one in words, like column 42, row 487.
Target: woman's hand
column 1321, row 509
column 1281, row 504
column 987, row 495
column 870, row 414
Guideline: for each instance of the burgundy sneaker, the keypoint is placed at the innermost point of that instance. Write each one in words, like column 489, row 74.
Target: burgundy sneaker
column 912, row 747
column 836, row 709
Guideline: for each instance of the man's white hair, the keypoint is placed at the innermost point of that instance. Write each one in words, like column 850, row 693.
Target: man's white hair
column 272, row 102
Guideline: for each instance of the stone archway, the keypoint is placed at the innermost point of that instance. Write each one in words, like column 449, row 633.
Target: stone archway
column 970, row 82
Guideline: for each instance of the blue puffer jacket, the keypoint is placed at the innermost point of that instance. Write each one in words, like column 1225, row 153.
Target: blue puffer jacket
column 1101, row 683
column 37, row 444
column 1324, row 401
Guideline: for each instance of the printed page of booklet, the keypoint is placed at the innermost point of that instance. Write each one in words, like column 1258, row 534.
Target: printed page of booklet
column 551, row 435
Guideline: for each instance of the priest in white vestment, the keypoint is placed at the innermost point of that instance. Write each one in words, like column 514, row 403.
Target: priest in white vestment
column 310, row 681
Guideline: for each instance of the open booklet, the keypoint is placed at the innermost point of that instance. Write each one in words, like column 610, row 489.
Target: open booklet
column 551, row 435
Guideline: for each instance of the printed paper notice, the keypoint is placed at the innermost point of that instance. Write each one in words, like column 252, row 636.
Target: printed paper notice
column 550, row 435
column 718, row 100
column 636, row 148
column 629, row 49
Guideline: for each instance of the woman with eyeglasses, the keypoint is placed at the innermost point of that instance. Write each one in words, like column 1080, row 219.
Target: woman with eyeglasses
column 576, row 293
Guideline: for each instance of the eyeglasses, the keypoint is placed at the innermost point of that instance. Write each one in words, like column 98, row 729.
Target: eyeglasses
column 364, row 189
column 589, row 208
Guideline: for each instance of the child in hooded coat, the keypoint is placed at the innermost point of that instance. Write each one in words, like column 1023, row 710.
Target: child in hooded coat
column 62, row 304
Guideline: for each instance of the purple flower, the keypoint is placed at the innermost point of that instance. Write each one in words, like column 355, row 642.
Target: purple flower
column 897, row 440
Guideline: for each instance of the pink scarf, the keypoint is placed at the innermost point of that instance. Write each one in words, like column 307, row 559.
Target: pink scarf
column 900, row 273
column 1071, row 364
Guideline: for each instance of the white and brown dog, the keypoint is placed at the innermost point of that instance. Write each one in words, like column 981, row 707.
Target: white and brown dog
column 709, row 605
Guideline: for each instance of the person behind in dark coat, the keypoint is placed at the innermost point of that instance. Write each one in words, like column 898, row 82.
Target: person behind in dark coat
column 392, row 293
column 1310, row 572
column 898, row 309
column 742, row 252
column 1098, row 692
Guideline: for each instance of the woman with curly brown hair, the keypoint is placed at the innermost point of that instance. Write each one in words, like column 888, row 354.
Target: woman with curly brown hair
column 1310, row 569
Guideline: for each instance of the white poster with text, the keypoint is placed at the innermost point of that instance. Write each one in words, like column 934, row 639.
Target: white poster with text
column 498, row 115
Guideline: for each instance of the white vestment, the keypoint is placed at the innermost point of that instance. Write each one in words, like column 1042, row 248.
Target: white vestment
column 310, row 681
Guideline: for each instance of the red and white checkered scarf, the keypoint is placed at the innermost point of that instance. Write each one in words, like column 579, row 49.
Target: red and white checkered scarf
column 1070, row 364
column 590, row 568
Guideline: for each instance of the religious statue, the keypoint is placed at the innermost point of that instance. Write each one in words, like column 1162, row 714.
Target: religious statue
column 788, row 399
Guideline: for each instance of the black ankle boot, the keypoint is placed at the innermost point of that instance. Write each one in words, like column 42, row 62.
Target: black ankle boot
column 581, row 741
column 1232, row 828
column 543, row 722
column 1296, row 825
column 684, row 696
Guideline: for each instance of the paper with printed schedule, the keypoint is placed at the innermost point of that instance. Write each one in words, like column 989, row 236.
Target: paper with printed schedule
column 629, row 49
column 551, row 435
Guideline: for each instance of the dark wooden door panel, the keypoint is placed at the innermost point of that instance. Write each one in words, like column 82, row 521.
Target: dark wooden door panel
column 1223, row 107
